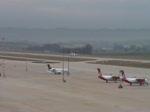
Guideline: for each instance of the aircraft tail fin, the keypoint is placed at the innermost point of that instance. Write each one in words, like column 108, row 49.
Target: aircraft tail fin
column 123, row 74
column 49, row 67
column 99, row 71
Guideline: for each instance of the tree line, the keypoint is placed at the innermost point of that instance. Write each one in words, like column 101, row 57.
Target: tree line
column 56, row 48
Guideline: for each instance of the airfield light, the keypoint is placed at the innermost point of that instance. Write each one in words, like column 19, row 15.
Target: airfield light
column 120, row 86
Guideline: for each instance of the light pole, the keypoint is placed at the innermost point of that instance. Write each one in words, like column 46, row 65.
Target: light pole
column 68, row 63
column 63, row 77
column 4, row 75
column 26, row 64
column 26, row 58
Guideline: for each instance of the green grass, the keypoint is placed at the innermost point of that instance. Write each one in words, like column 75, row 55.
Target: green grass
column 24, row 57
column 123, row 63
column 137, row 56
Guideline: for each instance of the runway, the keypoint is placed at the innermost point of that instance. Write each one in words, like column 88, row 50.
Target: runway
column 36, row 90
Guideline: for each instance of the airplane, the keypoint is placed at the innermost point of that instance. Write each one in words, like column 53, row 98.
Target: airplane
column 57, row 70
column 133, row 80
column 110, row 77
column 72, row 54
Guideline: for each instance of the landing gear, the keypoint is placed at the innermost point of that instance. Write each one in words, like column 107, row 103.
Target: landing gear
column 57, row 73
column 130, row 84
column 106, row 80
column 140, row 84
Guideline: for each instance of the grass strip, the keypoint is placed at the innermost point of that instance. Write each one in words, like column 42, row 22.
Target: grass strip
column 44, row 57
column 123, row 63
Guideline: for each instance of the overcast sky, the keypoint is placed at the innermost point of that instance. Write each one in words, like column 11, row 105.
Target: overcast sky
column 75, row 13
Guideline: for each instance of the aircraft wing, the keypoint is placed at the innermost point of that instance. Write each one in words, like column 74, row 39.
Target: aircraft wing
column 115, row 77
column 140, row 80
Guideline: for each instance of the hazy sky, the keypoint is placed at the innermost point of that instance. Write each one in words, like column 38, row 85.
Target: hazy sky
column 75, row 13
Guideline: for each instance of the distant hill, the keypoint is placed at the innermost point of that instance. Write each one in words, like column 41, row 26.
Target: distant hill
column 42, row 36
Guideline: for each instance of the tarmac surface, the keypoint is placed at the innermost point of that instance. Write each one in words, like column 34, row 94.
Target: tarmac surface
column 36, row 90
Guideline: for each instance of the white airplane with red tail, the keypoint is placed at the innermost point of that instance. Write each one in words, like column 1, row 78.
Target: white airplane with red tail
column 57, row 70
column 110, row 77
column 131, row 81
